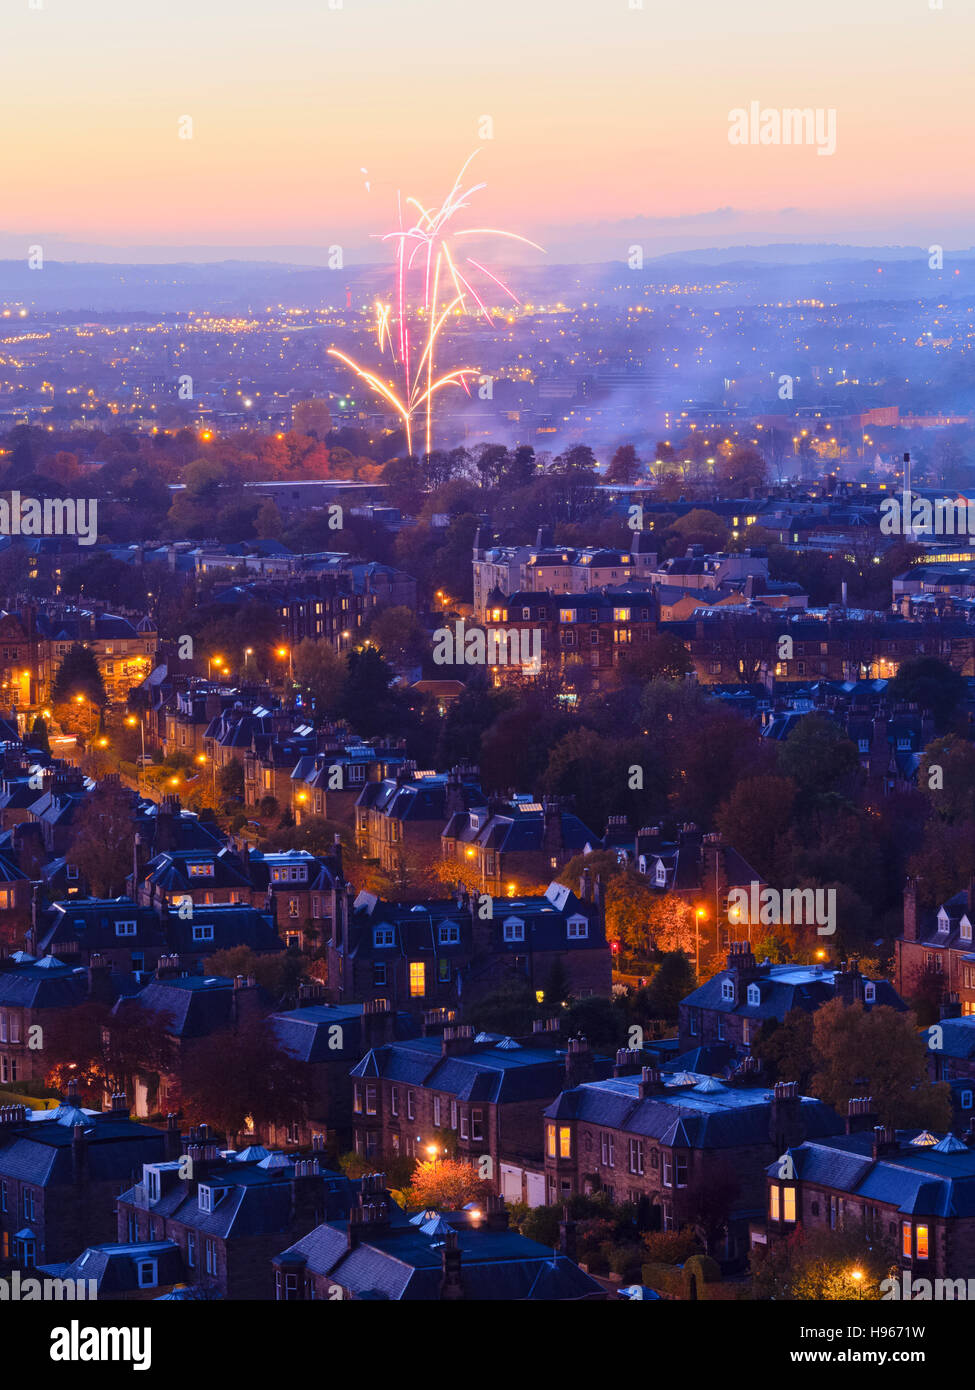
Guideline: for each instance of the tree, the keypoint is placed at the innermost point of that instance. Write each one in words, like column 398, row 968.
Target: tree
column 399, row 635
column 276, row 972
column 786, row 1049
column 445, row 1184
column 819, row 1264
column 947, row 778
column 104, row 835
column 818, row 755
column 661, row 657
column 320, row 672
column 242, row 1074
column 78, row 674
column 672, row 982
column 602, row 1021
column 932, row 685
column 230, row 782
column 624, row 466
column 39, row 736
column 756, row 813
column 877, row 1053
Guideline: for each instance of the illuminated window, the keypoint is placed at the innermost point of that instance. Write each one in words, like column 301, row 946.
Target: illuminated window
column 418, row 984
column 906, row 1244
column 921, row 1240
column 565, row 1142
column 621, row 615
column 550, row 1141
column 788, row 1204
column 773, row 1202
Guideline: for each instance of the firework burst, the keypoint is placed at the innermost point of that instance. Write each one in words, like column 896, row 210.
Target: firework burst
column 434, row 280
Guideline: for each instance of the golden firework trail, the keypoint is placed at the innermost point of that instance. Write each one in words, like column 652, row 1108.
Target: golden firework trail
column 447, row 288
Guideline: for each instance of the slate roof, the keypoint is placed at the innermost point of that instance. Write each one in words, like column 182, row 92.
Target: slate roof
column 494, row 1073
column 39, row 1151
column 257, row 1198
column 400, row 1261
column 192, row 1006
column 782, row 988
column 699, row 1112
column 919, row 1180
column 114, row 1268
column 46, row 984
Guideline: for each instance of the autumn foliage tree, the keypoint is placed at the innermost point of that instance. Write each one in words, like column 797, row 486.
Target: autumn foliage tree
column 445, row 1185
column 877, row 1053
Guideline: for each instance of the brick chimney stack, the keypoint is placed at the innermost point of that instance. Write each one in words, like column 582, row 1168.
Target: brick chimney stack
column 451, row 1284
column 579, row 1066
column 785, row 1117
column 860, row 1114
column 457, row 1038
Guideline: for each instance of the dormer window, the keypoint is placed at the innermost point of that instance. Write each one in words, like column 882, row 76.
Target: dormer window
column 754, row 995
column 201, row 870
column 966, row 928
column 577, row 929
column 869, row 993
column 728, row 991
column 449, row 934
column 210, row 1197
column 203, row 933
column 660, row 878
column 125, row 928
column 147, row 1274
column 942, row 921
column 384, row 936
column 152, row 1184
column 514, row 929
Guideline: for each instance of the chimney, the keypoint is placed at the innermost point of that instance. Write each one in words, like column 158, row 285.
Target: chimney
column 860, row 1114
column 585, row 885
column 883, row 1141
column 785, row 1118
column 496, row 1213
column 99, row 979
column 337, row 856
column 950, row 1006
column 457, row 1038
column 849, row 982
column 451, row 1284
column 651, row 1083
column 79, row 1155
column 628, row 1061
column 173, row 1146
column 377, row 1023
column 167, row 968
column 120, row 1105
column 579, row 1066
column 911, row 932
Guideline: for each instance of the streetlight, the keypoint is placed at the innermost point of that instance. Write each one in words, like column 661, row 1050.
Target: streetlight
column 857, row 1276
column 699, row 915
column 213, row 661
column 283, row 652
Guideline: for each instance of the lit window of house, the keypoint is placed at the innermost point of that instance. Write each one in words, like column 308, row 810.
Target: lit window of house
column 418, row 983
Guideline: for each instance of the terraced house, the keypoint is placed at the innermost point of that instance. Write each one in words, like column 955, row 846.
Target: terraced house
column 430, row 954
column 912, row 1191
column 478, row 1098
column 696, row 1148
